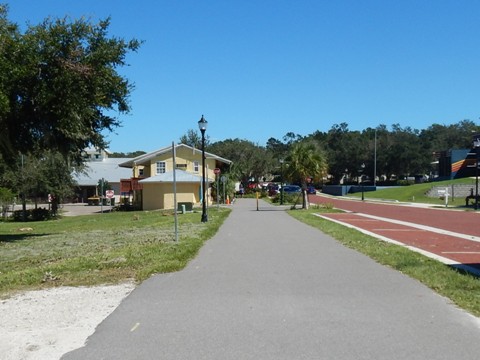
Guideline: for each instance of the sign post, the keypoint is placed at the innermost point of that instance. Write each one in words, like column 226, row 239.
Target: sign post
column 109, row 195
column 443, row 194
column 217, row 172
column 223, row 179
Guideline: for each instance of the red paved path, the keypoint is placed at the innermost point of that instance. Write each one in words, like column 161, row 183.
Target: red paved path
column 447, row 246
column 464, row 222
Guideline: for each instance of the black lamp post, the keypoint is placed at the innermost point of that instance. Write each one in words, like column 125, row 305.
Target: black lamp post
column 345, row 182
column 281, row 182
column 476, row 144
column 361, row 182
column 202, row 125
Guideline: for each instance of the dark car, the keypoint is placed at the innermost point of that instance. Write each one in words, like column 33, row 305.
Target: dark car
column 311, row 190
column 273, row 189
column 290, row 189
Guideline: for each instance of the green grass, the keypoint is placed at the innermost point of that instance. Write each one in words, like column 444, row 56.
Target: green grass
column 417, row 193
column 461, row 288
column 99, row 249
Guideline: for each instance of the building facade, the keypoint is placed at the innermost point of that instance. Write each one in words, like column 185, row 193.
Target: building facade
column 151, row 185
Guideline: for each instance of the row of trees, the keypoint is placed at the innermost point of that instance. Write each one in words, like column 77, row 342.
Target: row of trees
column 60, row 92
column 398, row 151
column 340, row 152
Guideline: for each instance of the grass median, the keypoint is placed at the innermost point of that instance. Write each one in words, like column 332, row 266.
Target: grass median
column 99, row 249
column 461, row 288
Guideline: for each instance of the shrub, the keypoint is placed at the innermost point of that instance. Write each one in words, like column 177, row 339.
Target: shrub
column 405, row 182
column 39, row 214
column 295, row 198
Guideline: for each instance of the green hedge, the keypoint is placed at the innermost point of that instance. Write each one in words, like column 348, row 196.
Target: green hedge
column 39, row 214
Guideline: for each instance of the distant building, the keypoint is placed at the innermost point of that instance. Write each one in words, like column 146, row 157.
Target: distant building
column 455, row 163
column 99, row 166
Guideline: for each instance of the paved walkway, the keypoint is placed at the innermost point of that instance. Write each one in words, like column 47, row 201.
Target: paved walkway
column 269, row 287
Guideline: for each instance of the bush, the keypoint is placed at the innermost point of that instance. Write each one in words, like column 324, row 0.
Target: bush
column 405, row 182
column 39, row 214
column 295, row 198
column 252, row 194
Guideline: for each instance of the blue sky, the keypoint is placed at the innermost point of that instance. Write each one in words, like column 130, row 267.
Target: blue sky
column 259, row 69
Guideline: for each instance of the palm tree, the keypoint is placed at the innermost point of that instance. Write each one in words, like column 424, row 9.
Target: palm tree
column 305, row 162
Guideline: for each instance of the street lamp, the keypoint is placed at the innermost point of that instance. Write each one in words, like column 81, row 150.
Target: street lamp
column 202, row 125
column 345, row 181
column 361, row 182
column 476, row 145
column 281, row 182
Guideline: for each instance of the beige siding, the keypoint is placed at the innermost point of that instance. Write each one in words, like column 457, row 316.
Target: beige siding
column 160, row 195
column 184, row 156
column 186, row 192
column 152, row 197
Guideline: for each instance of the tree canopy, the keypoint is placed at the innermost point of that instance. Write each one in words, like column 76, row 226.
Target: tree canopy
column 397, row 151
column 60, row 92
column 250, row 161
column 193, row 138
column 59, row 86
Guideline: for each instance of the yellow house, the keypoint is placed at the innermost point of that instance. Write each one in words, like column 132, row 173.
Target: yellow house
column 153, row 174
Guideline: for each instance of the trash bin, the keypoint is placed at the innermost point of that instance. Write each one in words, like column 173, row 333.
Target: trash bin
column 185, row 206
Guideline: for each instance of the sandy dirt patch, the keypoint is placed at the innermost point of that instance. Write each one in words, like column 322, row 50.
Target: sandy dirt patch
column 45, row 324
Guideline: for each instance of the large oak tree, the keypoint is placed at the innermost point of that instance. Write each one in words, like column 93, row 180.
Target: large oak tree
column 59, row 86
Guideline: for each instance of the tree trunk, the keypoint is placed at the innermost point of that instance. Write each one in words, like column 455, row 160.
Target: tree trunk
column 304, row 199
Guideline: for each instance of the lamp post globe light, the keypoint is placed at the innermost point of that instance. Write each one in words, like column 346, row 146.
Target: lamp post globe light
column 202, row 125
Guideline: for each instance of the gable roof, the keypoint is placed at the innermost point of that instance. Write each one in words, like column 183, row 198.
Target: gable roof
column 107, row 169
column 147, row 157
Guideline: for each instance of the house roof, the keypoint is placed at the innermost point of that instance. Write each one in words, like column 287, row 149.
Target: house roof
column 129, row 163
column 107, row 169
column 181, row 176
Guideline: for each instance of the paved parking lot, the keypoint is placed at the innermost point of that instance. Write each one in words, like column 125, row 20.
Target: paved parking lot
column 70, row 209
column 83, row 209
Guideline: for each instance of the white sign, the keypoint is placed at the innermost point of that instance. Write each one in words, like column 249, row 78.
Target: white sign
column 109, row 193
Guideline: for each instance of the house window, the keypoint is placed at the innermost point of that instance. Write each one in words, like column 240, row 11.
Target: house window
column 196, row 166
column 161, row 167
column 140, row 172
column 182, row 166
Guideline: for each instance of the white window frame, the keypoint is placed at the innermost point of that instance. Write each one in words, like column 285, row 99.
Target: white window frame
column 196, row 166
column 161, row 167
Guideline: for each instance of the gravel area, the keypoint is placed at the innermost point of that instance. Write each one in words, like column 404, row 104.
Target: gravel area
column 45, row 324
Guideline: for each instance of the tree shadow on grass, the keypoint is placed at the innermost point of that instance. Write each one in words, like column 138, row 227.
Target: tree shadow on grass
column 470, row 269
column 10, row 238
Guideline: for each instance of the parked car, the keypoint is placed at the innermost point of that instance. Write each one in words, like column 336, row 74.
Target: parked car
column 273, row 189
column 290, row 189
column 311, row 190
